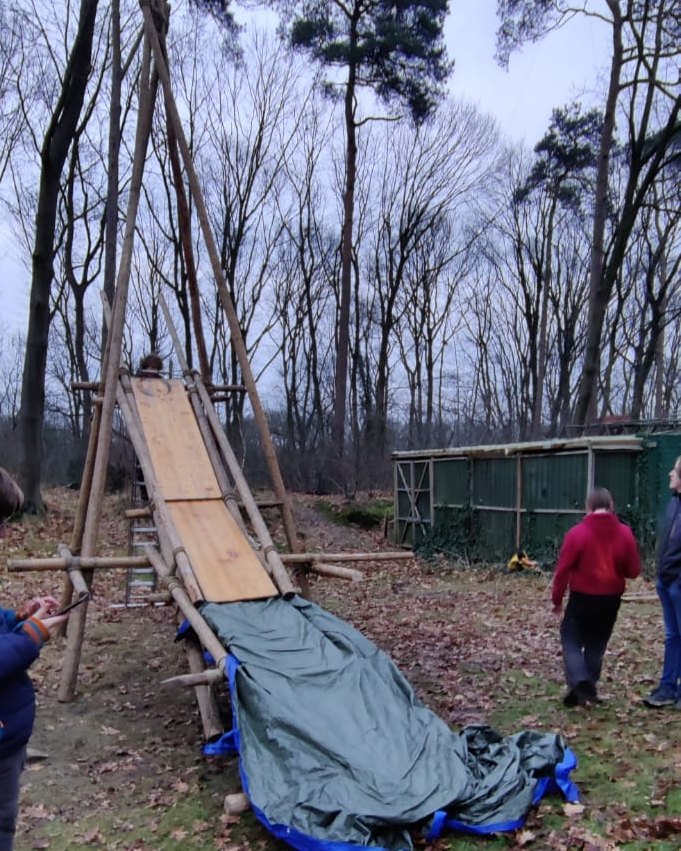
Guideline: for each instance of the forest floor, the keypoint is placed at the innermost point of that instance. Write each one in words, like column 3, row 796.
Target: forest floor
column 123, row 768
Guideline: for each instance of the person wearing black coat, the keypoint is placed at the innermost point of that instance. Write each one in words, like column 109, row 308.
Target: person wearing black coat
column 22, row 636
column 668, row 692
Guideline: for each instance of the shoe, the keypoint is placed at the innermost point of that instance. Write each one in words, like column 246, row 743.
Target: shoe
column 583, row 694
column 660, row 697
column 586, row 693
column 571, row 699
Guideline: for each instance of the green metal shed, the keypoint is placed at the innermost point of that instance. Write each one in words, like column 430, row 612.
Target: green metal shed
column 487, row 501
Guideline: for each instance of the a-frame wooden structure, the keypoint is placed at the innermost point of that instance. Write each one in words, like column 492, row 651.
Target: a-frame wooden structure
column 208, row 549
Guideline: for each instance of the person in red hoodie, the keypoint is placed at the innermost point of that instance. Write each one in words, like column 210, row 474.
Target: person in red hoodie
column 596, row 558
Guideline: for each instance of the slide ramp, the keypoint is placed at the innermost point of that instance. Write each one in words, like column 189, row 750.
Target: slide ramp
column 224, row 563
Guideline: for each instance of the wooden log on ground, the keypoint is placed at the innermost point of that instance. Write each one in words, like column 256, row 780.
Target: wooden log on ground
column 336, row 571
column 309, row 558
column 640, row 598
column 236, row 804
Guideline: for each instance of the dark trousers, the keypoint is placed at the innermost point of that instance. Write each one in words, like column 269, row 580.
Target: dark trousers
column 584, row 634
column 10, row 773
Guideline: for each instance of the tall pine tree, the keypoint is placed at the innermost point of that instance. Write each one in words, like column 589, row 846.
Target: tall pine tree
column 396, row 49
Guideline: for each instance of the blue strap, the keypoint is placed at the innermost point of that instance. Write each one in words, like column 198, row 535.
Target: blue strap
column 562, row 776
column 437, row 825
column 182, row 630
column 224, row 746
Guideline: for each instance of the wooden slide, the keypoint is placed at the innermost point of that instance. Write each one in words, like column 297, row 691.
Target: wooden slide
column 223, row 561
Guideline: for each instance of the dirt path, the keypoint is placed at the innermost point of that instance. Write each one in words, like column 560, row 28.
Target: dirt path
column 124, row 768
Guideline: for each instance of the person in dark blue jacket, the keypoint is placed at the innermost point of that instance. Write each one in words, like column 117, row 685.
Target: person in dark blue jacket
column 22, row 635
column 668, row 692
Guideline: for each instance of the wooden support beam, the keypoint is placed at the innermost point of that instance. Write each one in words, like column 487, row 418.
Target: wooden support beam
column 136, row 513
column 225, row 388
column 22, row 565
column 205, row 634
column 205, row 697
column 148, row 83
column 163, row 598
column 199, row 678
column 85, row 385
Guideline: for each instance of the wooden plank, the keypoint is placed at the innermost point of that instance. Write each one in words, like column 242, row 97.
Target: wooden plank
column 179, row 457
column 222, row 560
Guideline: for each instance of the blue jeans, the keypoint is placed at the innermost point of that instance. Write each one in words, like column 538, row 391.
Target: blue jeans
column 670, row 597
column 10, row 772
column 584, row 634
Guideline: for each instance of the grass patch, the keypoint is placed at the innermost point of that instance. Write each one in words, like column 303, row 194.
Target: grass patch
column 365, row 515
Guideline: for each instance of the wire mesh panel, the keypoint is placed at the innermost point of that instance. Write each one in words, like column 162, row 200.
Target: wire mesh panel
column 413, row 517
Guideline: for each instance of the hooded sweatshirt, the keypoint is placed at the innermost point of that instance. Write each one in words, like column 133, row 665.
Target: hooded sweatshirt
column 596, row 557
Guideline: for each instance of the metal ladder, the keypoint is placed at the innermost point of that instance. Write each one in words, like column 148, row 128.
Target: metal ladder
column 140, row 582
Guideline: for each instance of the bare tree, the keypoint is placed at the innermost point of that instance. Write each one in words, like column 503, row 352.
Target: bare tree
column 54, row 151
column 643, row 83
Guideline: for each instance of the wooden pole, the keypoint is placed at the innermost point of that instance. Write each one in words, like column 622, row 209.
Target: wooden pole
column 225, row 298
column 204, row 633
column 148, row 88
column 208, row 708
column 136, row 513
column 24, row 565
column 205, row 677
column 78, row 581
column 83, row 502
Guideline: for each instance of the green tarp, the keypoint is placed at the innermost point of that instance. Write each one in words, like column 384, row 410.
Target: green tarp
column 334, row 745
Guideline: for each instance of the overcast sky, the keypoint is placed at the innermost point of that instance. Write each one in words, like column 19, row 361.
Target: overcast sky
column 565, row 66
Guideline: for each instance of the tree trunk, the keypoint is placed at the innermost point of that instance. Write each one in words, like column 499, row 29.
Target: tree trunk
column 599, row 287
column 542, row 342
column 341, row 377
column 53, row 156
